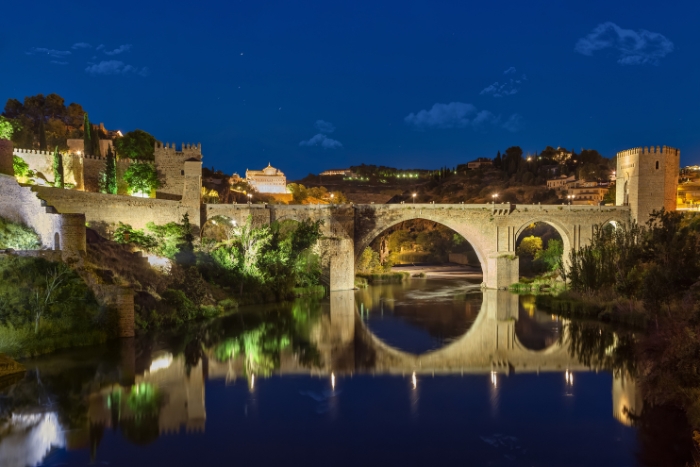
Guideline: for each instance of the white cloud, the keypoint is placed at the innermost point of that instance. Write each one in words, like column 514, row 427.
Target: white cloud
column 114, row 67
column 58, row 62
column 81, row 45
column 634, row 47
column 323, row 141
column 118, row 50
column 53, row 53
column 324, row 126
column 514, row 123
column 505, row 88
column 509, row 71
column 452, row 115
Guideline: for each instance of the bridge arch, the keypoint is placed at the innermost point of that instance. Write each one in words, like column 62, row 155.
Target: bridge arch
column 469, row 232
column 565, row 234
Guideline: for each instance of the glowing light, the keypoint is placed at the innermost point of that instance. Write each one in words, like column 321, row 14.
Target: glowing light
column 415, row 381
column 252, row 381
column 494, row 379
column 161, row 362
column 569, row 377
column 333, row 380
column 28, row 438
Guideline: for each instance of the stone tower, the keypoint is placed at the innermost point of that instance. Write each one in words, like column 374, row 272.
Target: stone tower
column 647, row 180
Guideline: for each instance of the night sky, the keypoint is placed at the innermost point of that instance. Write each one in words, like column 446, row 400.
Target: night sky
column 312, row 85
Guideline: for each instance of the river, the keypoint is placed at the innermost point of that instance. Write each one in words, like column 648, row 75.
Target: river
column 433, row 372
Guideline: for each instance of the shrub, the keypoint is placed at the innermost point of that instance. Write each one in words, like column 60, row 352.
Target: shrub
column 17, row 236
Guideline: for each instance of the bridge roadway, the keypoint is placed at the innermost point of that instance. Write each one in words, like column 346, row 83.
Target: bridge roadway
column 491, row 229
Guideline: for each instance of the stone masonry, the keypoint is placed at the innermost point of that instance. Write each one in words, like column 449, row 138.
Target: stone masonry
column 647, row 180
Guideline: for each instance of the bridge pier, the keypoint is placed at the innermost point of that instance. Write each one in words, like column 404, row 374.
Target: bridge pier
column 337, row 263
column 502, row 270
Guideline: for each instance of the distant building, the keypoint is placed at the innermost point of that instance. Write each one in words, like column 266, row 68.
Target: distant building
column 267, row 180
column 344, row 172
column 560, row 183
column 562, row 155
column 77, row 145
column 480, row 162
column 585, row 192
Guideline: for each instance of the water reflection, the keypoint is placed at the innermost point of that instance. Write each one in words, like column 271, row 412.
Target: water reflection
column 148, row 388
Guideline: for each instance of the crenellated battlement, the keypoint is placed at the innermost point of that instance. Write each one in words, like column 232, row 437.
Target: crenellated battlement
column 19, row 152
column 189, row 148
column 641, row 151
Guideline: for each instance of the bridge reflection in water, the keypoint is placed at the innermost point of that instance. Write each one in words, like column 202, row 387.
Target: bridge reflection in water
column 493, row 346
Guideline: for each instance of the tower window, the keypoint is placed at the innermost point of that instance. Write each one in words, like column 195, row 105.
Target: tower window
column 657, row 165
column 182, row 172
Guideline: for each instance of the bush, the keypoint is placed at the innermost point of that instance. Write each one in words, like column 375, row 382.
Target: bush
column 17, row 236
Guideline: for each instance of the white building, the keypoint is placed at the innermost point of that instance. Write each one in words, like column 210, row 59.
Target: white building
column 267, row 180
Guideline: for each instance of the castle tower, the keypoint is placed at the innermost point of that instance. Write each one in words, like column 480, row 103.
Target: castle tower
column 171, row 167
column 647, row 180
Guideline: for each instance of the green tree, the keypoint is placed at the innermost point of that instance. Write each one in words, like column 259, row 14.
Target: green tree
column 142, row 178
column 136, row 144
column 87, row 139
column 530, row 246
column 42, row 135
column 6, row 128
column 551, row 256
column 186, row 244
column 58, row 181
column 110, row 173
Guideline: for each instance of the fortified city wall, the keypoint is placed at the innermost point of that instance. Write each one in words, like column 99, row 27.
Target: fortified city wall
column 83, row 172
column 170, row 164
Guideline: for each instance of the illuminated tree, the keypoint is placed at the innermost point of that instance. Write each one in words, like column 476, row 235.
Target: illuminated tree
column 58, row 181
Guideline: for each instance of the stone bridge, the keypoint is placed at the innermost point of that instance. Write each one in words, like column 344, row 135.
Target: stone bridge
column 491, row 229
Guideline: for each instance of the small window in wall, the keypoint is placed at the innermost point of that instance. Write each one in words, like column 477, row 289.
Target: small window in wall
column 182, row 172
column 657, row 165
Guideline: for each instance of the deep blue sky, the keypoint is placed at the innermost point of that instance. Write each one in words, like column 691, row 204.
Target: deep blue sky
column 251, row 80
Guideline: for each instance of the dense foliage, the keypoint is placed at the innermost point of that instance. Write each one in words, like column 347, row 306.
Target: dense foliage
column 136, row 144
column 42, row 302
column 142, row 178
column 17, row 236
column 43, row 121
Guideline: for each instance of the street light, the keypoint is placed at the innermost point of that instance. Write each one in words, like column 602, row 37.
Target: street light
column 332, row 195
column 494, row 197
column 414, row 198
column 250, row 197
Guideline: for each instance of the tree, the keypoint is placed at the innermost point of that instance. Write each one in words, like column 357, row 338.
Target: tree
column 142, row 178
column 136, row 144
column 58, row 181
column 6, row 128
column 42, row 135
column 87, row 141
column 110, row 173
column 186, row 244
column 530, row 246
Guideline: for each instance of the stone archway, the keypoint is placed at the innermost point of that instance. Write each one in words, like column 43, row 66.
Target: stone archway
column 565, row 234
column 462, row 229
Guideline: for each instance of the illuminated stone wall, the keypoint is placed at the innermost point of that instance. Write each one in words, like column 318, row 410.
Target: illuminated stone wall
column 171, row 167
column 647, row 180
column 103, row 212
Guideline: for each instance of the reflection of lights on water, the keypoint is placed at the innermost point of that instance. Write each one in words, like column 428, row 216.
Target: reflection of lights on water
column 494, row 379
column 333, row 380
column 29, row 438
column 161, row 362
column 415, row 381
column 569, row 377
column 252, row 381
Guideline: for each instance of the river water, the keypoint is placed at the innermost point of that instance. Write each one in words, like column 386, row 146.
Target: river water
column 434, row 372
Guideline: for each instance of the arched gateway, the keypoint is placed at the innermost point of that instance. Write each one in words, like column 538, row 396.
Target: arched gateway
column 491, row 229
